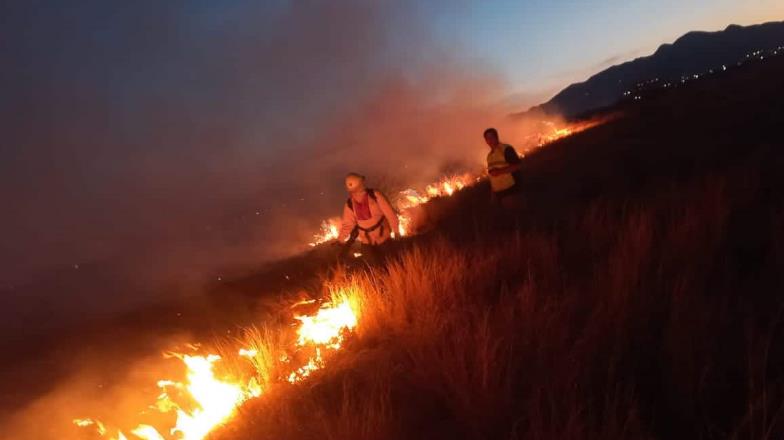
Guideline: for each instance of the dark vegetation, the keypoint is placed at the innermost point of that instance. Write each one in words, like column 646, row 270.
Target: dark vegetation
column 639, row 295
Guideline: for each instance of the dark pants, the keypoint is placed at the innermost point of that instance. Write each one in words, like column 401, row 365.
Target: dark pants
column 508, row 201
column 363, row 253
column 507, row 209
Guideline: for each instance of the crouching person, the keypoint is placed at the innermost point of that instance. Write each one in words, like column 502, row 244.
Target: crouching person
column 367, row 216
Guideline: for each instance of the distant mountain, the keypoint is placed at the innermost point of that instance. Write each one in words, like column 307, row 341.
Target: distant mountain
column 691, row 54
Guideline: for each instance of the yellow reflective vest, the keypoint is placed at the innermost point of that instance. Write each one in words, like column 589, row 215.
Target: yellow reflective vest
column 497, row 159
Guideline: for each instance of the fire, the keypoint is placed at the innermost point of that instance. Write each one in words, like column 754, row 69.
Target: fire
column 324, row 331
column 212, row 401
column 216, row 399
column 411, row 198
column 147, row 432
column 449, row 185
column 554, row 132
column 326, row 327
column 330, row 229
column 84, row 423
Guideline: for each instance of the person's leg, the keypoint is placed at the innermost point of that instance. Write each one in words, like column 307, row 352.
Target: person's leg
column 512, row 207
column 512, row 202
column 370, row 253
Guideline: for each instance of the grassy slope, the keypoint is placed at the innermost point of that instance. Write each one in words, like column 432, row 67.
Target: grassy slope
column 639, row 296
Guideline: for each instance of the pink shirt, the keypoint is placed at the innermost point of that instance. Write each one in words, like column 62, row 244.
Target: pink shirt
column 379, row 208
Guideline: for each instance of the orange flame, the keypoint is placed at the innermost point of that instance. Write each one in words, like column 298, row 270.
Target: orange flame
column 217, row 399
column 325, row 330
column 555, row 132
column 330, row 229
column 411, row 198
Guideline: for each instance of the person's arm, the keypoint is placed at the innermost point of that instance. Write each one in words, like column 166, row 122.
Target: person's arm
column 512, row 159
column 389, row 213
column 348, row 224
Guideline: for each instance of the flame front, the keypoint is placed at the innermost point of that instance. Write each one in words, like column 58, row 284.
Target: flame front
column 213, row 400
column 322, row 332
column 555, row 132
column 330, row 229
column 411, row 198
column 216, row 399
column 326, row 326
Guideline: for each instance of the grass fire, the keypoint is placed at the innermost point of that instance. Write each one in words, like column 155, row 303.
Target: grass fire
column 332, row 220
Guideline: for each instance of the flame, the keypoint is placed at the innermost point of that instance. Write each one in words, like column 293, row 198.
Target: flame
column 248, row 352
column 212, row 400
column 411, row 198
column 554, row 132
column 84, row 423
column 324, row 331
column 330, row 230
column 146, row 432
column 325, row 328
column 216, row 399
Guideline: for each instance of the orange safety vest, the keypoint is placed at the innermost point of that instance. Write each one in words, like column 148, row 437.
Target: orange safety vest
column 497, row 159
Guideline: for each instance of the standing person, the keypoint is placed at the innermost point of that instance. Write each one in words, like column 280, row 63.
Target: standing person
column 367, row 214
column 503, row 167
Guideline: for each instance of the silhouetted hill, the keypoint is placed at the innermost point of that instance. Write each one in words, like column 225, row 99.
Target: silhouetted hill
column 692, row 54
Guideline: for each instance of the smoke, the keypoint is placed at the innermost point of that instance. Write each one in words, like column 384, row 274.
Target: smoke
column 149, row 145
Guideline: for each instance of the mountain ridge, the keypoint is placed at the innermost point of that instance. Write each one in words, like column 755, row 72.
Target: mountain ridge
column 692, row 53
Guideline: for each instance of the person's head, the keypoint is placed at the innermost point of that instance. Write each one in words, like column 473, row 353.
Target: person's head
column 491, row 137
column 355, row 183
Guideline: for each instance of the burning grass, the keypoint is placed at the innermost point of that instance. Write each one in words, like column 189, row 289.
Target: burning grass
column 233, row 372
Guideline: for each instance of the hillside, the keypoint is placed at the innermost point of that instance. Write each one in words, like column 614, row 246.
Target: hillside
column 695, row 53
column 638, row 296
